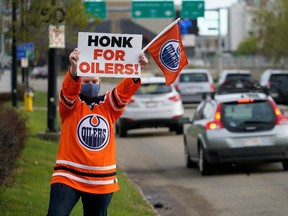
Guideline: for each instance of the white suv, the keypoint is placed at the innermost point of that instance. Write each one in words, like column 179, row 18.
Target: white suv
column 153, row 105
column 192, row 83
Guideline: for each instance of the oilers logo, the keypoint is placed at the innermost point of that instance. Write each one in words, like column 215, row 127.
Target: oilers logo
column 170, row 55
column 93, row 132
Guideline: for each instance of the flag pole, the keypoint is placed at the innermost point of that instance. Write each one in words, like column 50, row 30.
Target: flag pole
column 160, row 34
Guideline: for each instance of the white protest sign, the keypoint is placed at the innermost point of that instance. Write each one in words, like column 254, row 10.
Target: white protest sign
column 109, row 55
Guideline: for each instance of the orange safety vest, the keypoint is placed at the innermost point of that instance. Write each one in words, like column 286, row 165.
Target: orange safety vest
column 86, row 158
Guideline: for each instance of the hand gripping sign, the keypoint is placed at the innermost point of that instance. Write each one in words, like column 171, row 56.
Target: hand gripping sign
column 109, row 55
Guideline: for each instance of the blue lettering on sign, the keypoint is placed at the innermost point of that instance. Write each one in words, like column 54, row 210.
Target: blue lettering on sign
column 170, row 55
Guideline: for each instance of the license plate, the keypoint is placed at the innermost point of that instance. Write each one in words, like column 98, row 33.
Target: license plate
column 192, row 89
column 274, row 94
column 252, row 141
column 151, row 104
column 239, row 85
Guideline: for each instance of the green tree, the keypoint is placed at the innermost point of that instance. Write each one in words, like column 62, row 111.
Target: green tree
column 271, row 24
column 247, row 47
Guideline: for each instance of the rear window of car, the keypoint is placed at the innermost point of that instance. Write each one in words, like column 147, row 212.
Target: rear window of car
column 278, row 78
column 254, row 116
column 193, row 77
column 236, row 77
column 153, row 88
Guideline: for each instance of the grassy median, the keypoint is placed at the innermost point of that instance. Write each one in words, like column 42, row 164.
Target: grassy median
column 28, row 191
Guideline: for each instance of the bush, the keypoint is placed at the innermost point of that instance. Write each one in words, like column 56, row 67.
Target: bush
column 13, row 134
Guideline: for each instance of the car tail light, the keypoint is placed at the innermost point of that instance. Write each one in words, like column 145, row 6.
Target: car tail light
column 176, row 116
column 174, row 98
column 132, row 101
column 250, row 83
column 226, row 83
column 216, row 123
column 211, row 87
column 177, row 87
column 128, row 119
column 281, row 119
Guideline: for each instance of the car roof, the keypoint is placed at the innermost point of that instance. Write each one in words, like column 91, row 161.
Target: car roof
column 223, row 98
column 236, row 72
column 277, row 71
column 185, row 71
column 151, row 79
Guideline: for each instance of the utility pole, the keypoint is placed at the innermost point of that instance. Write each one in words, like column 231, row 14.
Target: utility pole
column 52, row 88
column 52, row 73
column 14, row 57
column 220, row 62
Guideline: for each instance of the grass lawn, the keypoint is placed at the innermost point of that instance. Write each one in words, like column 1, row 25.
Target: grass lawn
column 28, row 192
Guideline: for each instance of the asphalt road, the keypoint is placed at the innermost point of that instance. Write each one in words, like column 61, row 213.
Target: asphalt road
column 154, row 160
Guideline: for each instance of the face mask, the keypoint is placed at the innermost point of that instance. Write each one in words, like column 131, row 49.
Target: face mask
column 90, row 90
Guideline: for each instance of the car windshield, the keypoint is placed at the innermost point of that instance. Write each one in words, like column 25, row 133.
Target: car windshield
column 193, row 77
column 153, row 88
column 236, row 77
column 248, row 116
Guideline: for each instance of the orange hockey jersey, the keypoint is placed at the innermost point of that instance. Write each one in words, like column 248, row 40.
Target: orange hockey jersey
column 86, row 158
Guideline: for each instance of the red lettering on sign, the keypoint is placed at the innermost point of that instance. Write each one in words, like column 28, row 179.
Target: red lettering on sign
column 117, row 55
column 108, row 68
column 84, row 67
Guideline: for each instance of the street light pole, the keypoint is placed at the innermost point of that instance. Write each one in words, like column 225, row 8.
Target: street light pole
column 220, row 60
column 220, row 63
column 52, row 89
column 14, row 57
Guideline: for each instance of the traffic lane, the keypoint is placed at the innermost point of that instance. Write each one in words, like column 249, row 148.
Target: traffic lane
column 154, row 160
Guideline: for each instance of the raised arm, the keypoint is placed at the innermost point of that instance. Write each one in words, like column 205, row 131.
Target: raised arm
column 143, row 61
column 73, row 58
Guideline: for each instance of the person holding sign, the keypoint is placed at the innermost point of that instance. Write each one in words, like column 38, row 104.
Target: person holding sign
column 86, row 161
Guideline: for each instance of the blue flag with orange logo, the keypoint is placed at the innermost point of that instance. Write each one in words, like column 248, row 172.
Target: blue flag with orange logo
column 168, row 52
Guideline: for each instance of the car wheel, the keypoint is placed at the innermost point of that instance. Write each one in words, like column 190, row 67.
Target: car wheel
column 122, row 131
column 203, row 164
column 285, row 164
column 179, row 129
column 188, row 162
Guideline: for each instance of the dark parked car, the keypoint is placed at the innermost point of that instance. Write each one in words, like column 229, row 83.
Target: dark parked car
column 276, row 81
column 235, row 81
column 236, row 128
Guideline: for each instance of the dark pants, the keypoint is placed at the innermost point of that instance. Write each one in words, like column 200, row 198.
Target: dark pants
column 63, row 198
